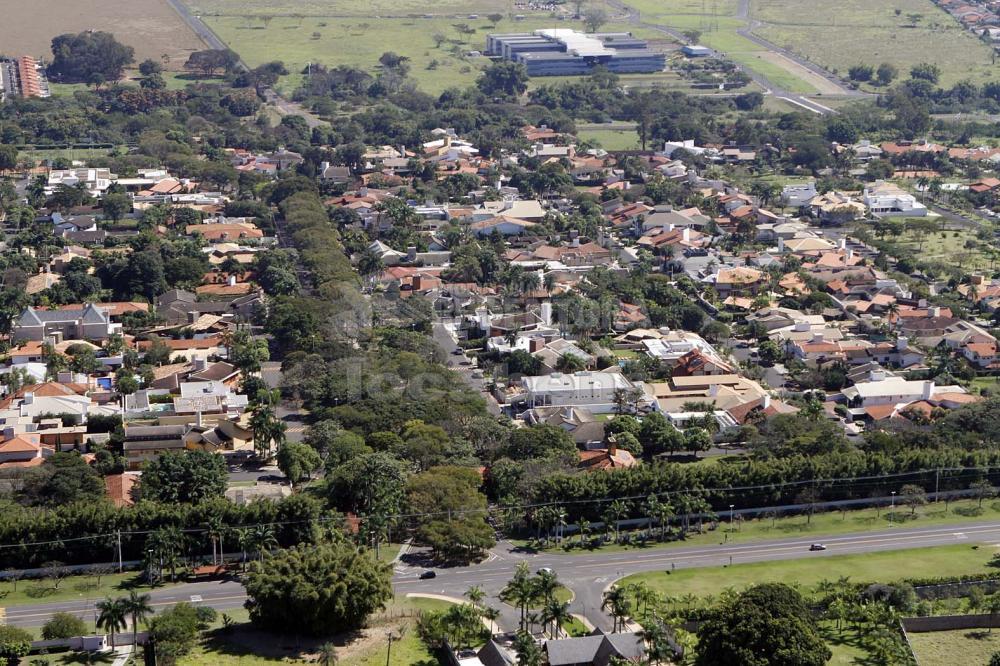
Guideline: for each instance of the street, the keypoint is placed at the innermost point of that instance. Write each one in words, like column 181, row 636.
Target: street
column 587, row 575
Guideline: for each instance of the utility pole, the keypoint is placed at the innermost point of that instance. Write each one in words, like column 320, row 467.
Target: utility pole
column 118, row 535
column 937, row 482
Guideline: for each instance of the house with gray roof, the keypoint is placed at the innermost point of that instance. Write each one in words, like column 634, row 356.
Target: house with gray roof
column 90, row 322
column 597, row 649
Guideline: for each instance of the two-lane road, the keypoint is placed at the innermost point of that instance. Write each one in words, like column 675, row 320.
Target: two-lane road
column 586, row 574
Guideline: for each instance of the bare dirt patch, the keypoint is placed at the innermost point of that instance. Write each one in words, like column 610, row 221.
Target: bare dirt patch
column 151, row 27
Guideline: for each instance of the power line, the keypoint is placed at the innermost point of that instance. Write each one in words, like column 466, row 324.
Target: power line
column 856, row 481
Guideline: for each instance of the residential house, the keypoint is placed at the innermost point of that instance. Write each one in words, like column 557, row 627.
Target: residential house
column 887, row 199
column 595, row 391
column 89, row 322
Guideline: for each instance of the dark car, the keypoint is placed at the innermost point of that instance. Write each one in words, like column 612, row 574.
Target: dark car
column 817, row 546
column 426, row 575
column 456, row 352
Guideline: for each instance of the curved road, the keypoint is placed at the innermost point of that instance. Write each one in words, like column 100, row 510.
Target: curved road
column 586, row 574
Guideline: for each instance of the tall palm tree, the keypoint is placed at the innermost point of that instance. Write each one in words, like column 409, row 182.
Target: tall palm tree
column 263, row 539
column 557, row 613
column 616, row 603
column 111, row 616
column 138, row 607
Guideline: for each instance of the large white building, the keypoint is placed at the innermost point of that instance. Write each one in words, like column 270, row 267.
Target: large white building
column 885, row 199
column 594, row 390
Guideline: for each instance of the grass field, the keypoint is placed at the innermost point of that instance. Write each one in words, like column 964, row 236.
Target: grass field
column 806, row 573
column 839, row 35
column 948, row 247
column 151, row 27
column 70, row 588
column 826, row 524
column 359, row 43
column 610, row 139
column 961, row 646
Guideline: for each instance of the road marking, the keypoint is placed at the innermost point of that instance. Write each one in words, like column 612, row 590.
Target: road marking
column 196, row 598
column 960, row 535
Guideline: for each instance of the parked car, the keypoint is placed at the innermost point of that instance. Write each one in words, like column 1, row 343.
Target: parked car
column 544, row 570
column 426, row 575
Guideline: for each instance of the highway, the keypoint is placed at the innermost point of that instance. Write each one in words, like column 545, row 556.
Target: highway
column 587, row 575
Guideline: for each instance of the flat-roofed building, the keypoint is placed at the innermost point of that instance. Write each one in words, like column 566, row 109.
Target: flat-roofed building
column 562, row 52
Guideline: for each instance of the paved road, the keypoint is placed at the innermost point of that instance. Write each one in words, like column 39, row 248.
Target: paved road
column 463, row 365
column 587, row 575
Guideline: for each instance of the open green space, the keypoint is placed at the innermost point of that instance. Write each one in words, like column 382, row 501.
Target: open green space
column 611, row 139
column 829, row 523
column 43, row 590
column 961, row 646
column 885, row 567
column 959, row 246
column 359, row 43
column 845, row 33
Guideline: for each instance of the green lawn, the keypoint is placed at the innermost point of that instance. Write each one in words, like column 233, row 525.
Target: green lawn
column 991, row 383
column 807, row 572
column 575, row 628
column 611, row 139
column 36, row 591
column 844, row 645
column 254, row 9
column 948, row 247
column 961, row 646
column 848, row 32
column 826, row 524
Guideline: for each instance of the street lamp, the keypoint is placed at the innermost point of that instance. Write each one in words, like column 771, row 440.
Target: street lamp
column 731, row 517
column 892, row 507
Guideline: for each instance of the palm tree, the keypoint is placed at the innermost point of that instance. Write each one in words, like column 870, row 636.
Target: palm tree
column 214, row 529
column 618, row 509
column 891, row 311
column 617, row 605
column 138, row 607
column 111, row 616
column 327, row 655
column 263, row 540
column 520, row 590
column 557, row 613
column 475, row 594
column 491, row 614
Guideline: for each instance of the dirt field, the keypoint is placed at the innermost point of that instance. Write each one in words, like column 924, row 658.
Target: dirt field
column 151, row 27
column 821, row 84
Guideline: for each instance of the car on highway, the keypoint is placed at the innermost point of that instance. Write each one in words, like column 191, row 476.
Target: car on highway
column 817, row 546
column 544, row 570
column 427, row 575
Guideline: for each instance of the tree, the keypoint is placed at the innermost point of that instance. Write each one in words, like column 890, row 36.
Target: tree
column 89, row 56
column 112, row 615
column 317, row 590
column 297, row 461
column 209, row 61
column 886, row 73
column 594, row 18
column 618, row 605
column 926, row 71
column 116, row 206
column 913, row 496
column 995, row 659
column 8, row 157
column 981, row 490
column 63, row 625
column 767, row 625
column 503, row 78
column 188, row 476
column 14, row 643
column 175, row 632
column 63, row 478
column 139, row 609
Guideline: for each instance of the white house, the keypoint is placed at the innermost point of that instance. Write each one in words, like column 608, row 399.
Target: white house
column 95, row 180
column 884, row 390
column 798, row 195
column 594, row 390
column 886, row 199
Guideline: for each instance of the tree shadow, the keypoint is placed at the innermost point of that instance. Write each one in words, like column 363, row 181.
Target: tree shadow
column 978, row 635
column 88, row 658
column 245, row 640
